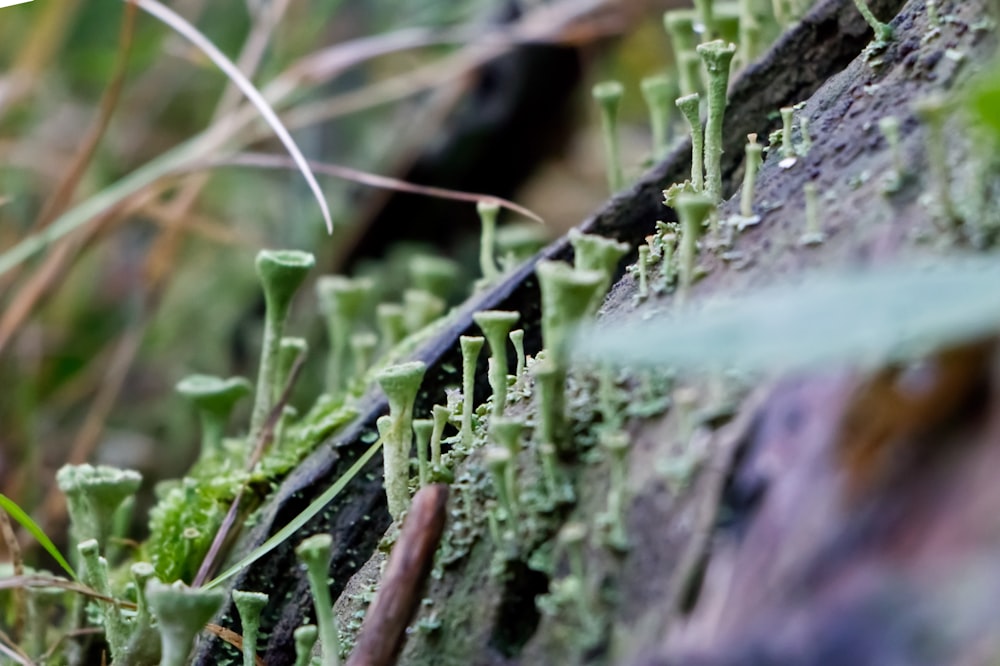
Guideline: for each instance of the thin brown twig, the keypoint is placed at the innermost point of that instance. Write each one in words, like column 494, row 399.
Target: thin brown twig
column 233, row 638
column 559, row 23
column 89, row 434
column 13, row 650
column 55, row 266
column 725, row 444
column 252, row 53
column 39, row 285
column 381, row 635
column 57, row 203
column 175, row 215
column 205, row 227
column 263, row 441
column 38, row 580
column 17, row 561
column 37, row 49
column 271, row 161
column 75, row 633
column 565, row 30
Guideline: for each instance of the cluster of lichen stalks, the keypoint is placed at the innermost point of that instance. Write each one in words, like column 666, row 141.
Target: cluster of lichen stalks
column 700, row 68
column 697, row 199
column 190, row 512
column 146, row 608
column 96, row 496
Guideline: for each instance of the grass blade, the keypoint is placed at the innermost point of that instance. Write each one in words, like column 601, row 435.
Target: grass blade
column 862, row 317
column 296, row 523
column 18, row 514
column 179, row 25
column 267, row 161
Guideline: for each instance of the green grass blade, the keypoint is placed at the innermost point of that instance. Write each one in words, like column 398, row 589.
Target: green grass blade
column 179, row 25
column 296, row 523
column 18, row 514
column 863, row 318
column 74, row 218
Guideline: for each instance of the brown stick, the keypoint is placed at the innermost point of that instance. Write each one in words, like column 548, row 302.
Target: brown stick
column 381, row 636
column 17, row 562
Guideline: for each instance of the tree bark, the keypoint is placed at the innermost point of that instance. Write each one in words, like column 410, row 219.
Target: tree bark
column 657, row 602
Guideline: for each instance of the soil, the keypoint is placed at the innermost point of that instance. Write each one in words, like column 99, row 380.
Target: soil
column 664, row 598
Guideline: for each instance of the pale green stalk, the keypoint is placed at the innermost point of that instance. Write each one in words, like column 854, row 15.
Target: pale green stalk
column 608, row 95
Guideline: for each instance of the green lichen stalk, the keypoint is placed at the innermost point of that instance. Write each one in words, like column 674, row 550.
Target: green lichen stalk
column 144, row 641
column 506, row 433
column 693, row 210
column 95, row 575
column 288, row 415
column 214, row 398
column 679, row 24
column 933, row 18
column 421, row 308
column 616, row 443
column 608, row 397
column 41, row 601
column 754, row 151
column 281, row 273
column 488, row 212
column 889, row 126
column 549, row 425
column 750, row 33
column 250, row 605
column 314, row 552
column 593, row 252
column 787, row 148
column 690, row 106
column 805, row 138
column 305, row 639
column 717, row 56
column 706, row 19
column 93, row 494
column 391, row 323
column 572, row 538
column 401, row 384
column 782, row 12
column 496, row 325
column 690, row 73
column 471, row 346
column 363, row 345
column 814, row 232
column 883, row 31
column 517, row 339
column 499, row 462
column 567, row 295
column 557, row 488
column 341, row 301
column 441, row 416
column 933, row 112
column 549, row 404
column 668, row 269
column 658, row 92
column 181, row 613
column 642, row 268
column 437, row 275
column 608, row 95
column 422, row 429
column 289, row 352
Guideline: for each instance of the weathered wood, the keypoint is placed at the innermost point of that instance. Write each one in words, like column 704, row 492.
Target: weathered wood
column 382, row 633
column 821, row 45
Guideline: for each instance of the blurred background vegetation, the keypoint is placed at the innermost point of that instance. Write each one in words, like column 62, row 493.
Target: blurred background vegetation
column 486, row 96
